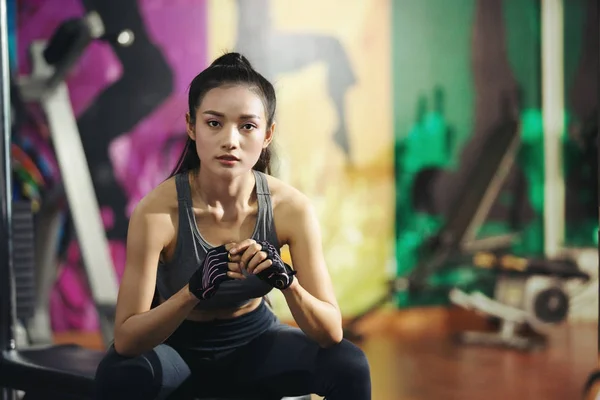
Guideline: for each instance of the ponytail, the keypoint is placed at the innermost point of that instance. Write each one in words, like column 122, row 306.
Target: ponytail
column 188, row 160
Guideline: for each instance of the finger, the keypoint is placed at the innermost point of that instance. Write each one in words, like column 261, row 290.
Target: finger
column 239, row 247
column 255, row 260
column 249, row 253
column 234, row 267
column 235, row 275
column 262, row 266
column 234, row 258
column 229, row 246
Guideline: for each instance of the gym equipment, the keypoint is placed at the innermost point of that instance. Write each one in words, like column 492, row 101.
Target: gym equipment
column 529, row 293
column 205, row 282
column 532, row 296
column 279, row 274
column 470, row 208
column 51, row 62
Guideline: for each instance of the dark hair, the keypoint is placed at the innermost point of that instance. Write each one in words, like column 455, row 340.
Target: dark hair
column 230, row 68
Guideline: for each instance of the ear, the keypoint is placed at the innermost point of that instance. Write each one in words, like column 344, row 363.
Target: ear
column 190, row 126
column 269, row 135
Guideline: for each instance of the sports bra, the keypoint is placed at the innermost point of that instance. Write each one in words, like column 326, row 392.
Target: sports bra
column 191, row 248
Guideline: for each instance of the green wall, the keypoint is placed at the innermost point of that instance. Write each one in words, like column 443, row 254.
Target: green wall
column 432, row 56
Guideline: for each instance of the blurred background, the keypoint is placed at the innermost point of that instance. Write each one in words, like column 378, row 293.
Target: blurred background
column 449, row 147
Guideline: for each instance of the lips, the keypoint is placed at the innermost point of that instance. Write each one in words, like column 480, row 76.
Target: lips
column 228, row 157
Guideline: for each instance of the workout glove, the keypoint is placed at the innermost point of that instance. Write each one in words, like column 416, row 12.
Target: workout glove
column 209, row 276
column 279, row 274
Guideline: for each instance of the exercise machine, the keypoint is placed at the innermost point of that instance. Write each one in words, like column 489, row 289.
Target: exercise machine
column 54, row 371
column 469, row 209
column 51, row 61
column 527, row 292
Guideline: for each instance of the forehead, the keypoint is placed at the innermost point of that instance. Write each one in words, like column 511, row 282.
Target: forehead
column 232, row 100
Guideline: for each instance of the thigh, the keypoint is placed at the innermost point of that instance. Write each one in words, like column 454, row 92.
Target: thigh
column 285, row 362
column 260, row 367
column 154, row 374
column 280, row 349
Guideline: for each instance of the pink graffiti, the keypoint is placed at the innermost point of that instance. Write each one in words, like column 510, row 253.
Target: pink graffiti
column 141, row 158
column 71, row 306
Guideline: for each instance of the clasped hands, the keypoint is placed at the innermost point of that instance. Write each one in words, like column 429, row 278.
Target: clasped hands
column 230, row 261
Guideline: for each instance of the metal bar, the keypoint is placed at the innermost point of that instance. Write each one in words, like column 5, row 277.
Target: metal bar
column 7, row 295
column 83, row 204
column 598, row 162
column 553, row 111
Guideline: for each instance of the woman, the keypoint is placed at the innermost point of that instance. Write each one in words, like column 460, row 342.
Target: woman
column 208, row 239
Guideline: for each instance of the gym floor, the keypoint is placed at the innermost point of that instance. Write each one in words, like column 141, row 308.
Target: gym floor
column 413, row 357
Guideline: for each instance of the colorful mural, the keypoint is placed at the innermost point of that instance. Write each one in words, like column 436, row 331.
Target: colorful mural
column 132, row 119
column 383, row 108
column 333, row 142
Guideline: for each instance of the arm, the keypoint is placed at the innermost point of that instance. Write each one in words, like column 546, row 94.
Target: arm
column 311, row 297
column 137, row 328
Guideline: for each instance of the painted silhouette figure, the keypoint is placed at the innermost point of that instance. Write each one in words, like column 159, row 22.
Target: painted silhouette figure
column 497, row 98
column 274, row 52
column 119, row 107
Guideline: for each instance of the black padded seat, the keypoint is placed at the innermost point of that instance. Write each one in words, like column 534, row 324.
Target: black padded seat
column 68, row 368
column 65, row 370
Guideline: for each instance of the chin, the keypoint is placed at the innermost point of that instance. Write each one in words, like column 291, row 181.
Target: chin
column 228, row 172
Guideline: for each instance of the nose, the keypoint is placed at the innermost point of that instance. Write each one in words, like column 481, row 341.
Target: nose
column 230, row 138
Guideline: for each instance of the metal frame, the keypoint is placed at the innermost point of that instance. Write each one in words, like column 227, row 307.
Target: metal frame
column 7, row 287
column 7, row 295
column 553, row 110
column 77, row 181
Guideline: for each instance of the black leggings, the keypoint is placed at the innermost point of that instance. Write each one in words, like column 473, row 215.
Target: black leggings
column 280, row 362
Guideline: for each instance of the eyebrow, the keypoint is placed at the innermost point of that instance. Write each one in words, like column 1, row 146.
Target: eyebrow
column 243, row 116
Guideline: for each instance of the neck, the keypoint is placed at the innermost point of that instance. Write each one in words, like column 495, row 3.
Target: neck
column 225, row 194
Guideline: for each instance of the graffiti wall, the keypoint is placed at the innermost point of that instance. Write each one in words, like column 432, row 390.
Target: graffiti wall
column 384, row 109
column 333, row 142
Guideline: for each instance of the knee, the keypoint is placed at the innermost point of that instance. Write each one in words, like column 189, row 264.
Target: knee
column 118, row 376
column 357, row 363
column 351, row 363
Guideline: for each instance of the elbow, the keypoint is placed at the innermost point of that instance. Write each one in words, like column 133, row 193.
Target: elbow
column 123, row 346
column 125, row 349
column 331, row 338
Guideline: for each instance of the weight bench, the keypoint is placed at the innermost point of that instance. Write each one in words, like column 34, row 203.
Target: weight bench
column 63, row 372
column 50, row 369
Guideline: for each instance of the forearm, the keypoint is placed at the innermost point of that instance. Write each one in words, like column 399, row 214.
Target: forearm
column 320, row 320
column 142, row 332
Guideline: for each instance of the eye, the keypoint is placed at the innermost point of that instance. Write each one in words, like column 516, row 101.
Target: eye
column 248, row 127
column 213, row 124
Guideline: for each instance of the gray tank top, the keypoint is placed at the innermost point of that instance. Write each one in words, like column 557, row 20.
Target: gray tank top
column 191, row 248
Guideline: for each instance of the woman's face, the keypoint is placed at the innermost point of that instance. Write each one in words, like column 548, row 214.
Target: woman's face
column 230, row 130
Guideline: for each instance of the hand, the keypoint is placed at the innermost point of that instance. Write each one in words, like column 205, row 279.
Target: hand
column 213, row 271
column 262, row 259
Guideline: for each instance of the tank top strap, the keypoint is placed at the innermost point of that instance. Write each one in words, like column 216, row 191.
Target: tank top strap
column 182, row 184
column 262, row 193
column 186, row 237
column 265, row 219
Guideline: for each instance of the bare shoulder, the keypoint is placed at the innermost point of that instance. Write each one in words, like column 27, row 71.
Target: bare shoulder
column 156, row 212
column 286, row 197
column 291, row 209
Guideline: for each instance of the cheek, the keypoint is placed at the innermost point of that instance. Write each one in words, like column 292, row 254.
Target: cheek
column 203, row 142
column 254, row 142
